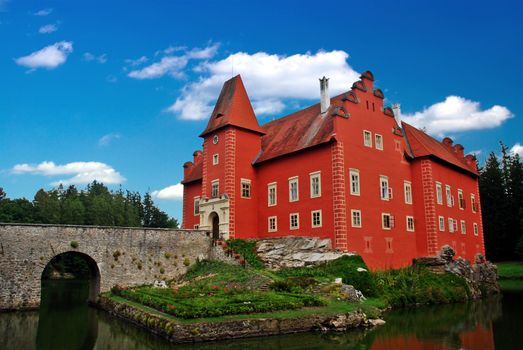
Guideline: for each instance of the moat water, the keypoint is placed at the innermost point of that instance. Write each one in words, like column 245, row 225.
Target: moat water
column 64, row 321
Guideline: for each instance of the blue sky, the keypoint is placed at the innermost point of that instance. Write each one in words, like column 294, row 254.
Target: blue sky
column 119, row 90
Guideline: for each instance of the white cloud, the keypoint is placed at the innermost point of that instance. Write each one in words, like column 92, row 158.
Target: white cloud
column 49, row 57
column 171, row 65
column 107, row 139
column 48, row 29
column 136, row 62
column 457, row 114
column 517, row 149
column 82, row 172
column 270, row 79
column 43, row 12
column 89, row 57
column 174, row 192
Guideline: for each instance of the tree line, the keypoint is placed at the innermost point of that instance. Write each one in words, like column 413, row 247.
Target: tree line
column 95, row 205
column 501, row 192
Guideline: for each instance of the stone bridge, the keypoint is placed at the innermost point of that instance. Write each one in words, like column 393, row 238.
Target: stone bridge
column 115, row 255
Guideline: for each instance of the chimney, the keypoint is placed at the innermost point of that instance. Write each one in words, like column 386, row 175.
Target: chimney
column 324, row 93
column 397, row 113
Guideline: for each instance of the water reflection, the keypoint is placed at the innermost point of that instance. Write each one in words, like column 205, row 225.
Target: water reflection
column 65, row 320
column 487, row 324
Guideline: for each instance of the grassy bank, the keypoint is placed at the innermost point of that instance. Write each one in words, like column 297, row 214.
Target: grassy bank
column 510, row 276
column 218, row 291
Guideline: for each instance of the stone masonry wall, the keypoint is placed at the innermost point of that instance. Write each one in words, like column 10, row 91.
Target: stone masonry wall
column 123, row 256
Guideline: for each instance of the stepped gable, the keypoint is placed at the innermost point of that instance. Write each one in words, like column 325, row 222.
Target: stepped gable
column 422, row 145
column 298, row 131
column 233, row 108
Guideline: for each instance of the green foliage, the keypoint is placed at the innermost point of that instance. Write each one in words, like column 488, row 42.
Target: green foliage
column 501, row 192
column 74, row 244
column 71, row 263
column 345, row 267
column 96, row 205
column 418, row 286
column 186, row 262
column 510, row 270
column 247, row 249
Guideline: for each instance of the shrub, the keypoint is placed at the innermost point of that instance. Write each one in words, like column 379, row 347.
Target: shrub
column 247, row 249
column 167, row 255
column 116, row 254
column 74, row 244
column 162, row 270
column 186, row 262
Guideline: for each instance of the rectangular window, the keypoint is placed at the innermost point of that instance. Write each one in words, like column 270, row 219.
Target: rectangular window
column 294, row 220
column 441, row 223
column 273, row 223
column 473, row 203
column 215, row 188
column 356, row 218
column 293, row 189
column 439, row 193
column 215, row 159
column 449, row 195
column 455, row 225
column 461, row 200
column 354, row 182
column 378, row 140
column 463, row 227
column 246, row 188
column 407, row 187
column 315, row 184
column 410, row 223
column 451, row 225
column 384, row 188
column 316, row 218
column 476, row 229
column 367, row 138
column 196, row 205
column 386, row 222
column 271, row 190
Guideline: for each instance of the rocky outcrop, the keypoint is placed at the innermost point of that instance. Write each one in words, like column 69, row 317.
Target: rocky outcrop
column 296, row 251
column 481, row 277
column 177, row 332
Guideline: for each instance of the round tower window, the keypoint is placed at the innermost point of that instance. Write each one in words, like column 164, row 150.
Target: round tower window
column 215, row 139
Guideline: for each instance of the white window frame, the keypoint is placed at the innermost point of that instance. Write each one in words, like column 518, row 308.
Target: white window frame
column 353, row 222
column 293, row 180
column 356, row 174
column 246, row 182
column 297, row 226
column 407, row 220
column 269, row 219
column 215, row 159
column 378, row 145
column 463, row 226
column 451, row 225
column 448, row 195
column 407, row 190
column 313, row 225
column 270, row 186
column 312, row 176
column 475, row 229
column 384, row 190
column 461, row 200
column 196, row 207
column 383, row 215
column 439, row 193
column 441, row 220
column 213, row 184
column 367, row 143
column 473, row 204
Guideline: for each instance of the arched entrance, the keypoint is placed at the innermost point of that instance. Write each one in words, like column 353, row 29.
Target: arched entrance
column 215, row 219
column 74, row 265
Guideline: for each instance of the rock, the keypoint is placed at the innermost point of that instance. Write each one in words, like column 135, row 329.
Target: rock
column 160, row 284
column 376, row 322
column 350, row 293
column 338, row 280
column 447, row 253
column 361, row 269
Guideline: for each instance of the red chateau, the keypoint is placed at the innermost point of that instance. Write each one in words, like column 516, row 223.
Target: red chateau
column 347, row 169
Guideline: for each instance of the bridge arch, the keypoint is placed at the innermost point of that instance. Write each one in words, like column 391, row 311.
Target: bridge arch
column 93, row 274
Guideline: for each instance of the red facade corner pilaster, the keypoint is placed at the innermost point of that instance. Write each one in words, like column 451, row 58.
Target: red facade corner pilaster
column 429, row 204
column 480, row 215
column 204, row 168
column 230, row 176
column 338, row 196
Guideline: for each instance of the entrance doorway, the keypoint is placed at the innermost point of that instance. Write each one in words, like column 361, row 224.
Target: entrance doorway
column 215, row 226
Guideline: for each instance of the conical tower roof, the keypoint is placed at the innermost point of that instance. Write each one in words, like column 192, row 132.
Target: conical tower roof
column 233, row 108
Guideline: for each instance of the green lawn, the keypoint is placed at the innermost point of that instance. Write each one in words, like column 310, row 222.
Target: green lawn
column 510, row 270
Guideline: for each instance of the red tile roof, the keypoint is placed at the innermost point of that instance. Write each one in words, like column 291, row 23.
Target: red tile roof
column 422, row 145
column 233, row 108
column 196, row 173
